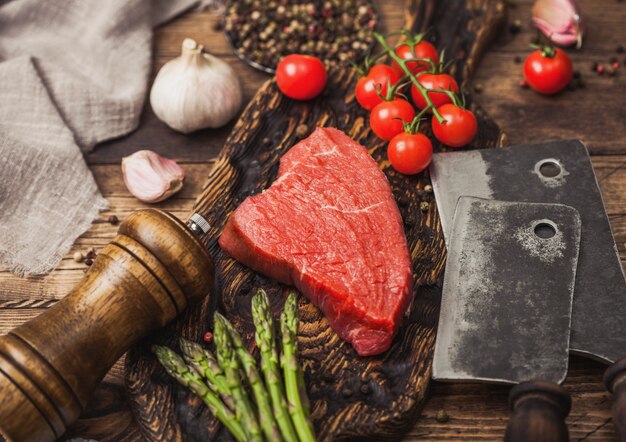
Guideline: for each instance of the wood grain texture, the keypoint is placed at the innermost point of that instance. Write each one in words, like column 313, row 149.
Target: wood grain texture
column 476, row 412
column 367, row 398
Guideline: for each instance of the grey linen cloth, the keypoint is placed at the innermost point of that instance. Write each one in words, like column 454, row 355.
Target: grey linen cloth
column 73, row 73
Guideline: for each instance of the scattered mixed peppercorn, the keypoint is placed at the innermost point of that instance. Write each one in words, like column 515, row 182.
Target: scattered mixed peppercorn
column 263, row 31
column 85, row 257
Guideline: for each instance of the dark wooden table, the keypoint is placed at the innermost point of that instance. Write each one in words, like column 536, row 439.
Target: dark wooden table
column 595, row 114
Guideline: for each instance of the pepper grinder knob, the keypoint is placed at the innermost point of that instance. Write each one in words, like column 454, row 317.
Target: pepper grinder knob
column 50, row 365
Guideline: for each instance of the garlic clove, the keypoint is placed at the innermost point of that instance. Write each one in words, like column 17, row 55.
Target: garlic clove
column 559, row 20
column 150, row 177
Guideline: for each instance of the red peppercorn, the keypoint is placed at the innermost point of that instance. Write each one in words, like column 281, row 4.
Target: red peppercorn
column 208, row 337
column 600, row 69
column 616, row 64
column 523, row 84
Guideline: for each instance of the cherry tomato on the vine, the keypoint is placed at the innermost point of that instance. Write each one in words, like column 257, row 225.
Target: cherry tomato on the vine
column 387, row 118
column 423, row 49
column 376, row 80
column 548, row 71
column 410, row 153
column 301, row 77
column 434, row 81
column 459, row 128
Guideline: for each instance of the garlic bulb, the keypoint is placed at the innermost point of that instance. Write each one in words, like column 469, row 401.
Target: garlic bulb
column 195, row 91
column 150, row 177
column 560, row 21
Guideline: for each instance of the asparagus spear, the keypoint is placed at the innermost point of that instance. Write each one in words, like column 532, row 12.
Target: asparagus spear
column 294, row 378
column 175, row 367
column 228, row 361
column 205, row 364
column 266, row 341
column 248, row 364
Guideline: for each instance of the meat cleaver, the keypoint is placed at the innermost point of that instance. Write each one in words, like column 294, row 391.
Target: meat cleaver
column 555, row 172
column 552, row 172
column 506, row 307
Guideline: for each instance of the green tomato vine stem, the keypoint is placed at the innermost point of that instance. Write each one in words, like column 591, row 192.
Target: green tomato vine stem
column 453, row 97
column 403, row 64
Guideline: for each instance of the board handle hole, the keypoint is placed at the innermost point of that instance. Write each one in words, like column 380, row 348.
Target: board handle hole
column 549, row 168
column 544, row 230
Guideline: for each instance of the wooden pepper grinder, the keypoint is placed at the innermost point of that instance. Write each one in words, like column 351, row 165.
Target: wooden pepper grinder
column 139, row 282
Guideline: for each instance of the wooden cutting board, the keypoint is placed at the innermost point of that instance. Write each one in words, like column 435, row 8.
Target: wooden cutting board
column 352, row 397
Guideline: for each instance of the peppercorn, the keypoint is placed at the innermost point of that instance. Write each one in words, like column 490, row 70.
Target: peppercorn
column 208, row 337
column 88, row 262
column 478, row 88
column 428, row 188
column 619, row 49
column 517, row 59
column 78, row 257
column 424, row 205
column 442, row 416
column 112, row 219
column 523, row 84
column 515, row 27
column 302, row 130
column 600, row 69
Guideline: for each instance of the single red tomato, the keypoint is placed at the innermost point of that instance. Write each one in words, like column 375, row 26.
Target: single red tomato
column 459, row 128
column 410, row 153
column 387, row 118
column 548, row 71
column 376, row 80
column 301, row 77
column 423, row 49
column 434, row 81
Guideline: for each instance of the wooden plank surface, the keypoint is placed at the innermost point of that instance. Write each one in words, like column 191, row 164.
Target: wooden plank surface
column 596, row 114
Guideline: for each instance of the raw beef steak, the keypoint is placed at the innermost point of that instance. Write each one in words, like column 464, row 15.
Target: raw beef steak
column 329, row 225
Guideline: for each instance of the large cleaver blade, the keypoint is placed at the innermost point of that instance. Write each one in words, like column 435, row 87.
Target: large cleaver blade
column 507, row 292
column 506, row 306
column 553, row 172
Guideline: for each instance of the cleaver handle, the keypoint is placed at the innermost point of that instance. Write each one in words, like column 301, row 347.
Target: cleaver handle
column 539, row 409
column 615, row 381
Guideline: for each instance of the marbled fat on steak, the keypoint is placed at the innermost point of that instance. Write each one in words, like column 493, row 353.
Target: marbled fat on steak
column 329, row 225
